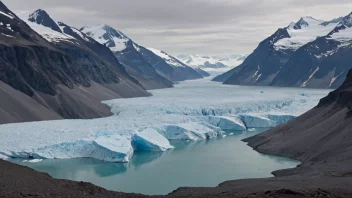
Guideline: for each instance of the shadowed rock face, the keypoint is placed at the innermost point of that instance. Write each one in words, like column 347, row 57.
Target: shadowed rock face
column 321, row 138
column 37, row 68
column 261, row 67
column 125, row 51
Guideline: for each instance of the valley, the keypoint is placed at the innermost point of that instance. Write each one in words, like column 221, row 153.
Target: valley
column 211, row 99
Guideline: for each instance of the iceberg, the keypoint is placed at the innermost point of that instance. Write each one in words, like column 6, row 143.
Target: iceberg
column 280, row 118
column 189, row 131
column 150, row 140
column 227, row 123
column 257, row 121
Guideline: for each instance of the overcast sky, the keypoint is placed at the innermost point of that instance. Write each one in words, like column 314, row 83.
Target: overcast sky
column 207, row 27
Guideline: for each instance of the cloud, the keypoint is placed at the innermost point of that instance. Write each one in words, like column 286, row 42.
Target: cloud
column 210, row 27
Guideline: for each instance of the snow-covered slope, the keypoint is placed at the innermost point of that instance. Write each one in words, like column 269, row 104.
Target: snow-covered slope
column 306, row 30
column 169, row 59
column 212, row 64
column 107, row 36
column 322, row 63
column 140, row 59
column 179, row 67
column 127, row 52
column 43, row 24
column 308, row 53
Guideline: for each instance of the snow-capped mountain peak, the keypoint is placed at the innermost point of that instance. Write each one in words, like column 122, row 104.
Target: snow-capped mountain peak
column 168, row 59
column 41, row 17
column 108, row 36
column 44, row 25
column 307, row 29
column 306, row 22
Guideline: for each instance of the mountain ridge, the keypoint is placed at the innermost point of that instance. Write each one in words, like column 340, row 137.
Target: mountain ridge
column 299, row 55
column 51, row 77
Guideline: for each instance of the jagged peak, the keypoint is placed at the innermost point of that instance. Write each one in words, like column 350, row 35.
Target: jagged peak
column 41, row 17
column 107, row 29
column 38, row 13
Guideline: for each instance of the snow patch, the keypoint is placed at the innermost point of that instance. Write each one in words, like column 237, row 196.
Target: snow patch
column 168, row 59
column 334, row 78
column 305, row 83
column 7, row 14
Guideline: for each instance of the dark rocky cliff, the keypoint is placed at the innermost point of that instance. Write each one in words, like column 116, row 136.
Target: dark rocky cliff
column 47, row 73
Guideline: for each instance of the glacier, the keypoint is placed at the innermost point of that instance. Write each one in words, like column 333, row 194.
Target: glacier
column 192, row 111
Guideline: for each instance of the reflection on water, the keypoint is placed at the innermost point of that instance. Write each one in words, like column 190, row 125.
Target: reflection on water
column 200, row 163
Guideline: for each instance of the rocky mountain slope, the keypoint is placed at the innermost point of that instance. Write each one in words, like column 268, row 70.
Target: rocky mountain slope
column 309, row 53
column 125, row 50
column 139, row 60
column 52, row 75
column 321, row 136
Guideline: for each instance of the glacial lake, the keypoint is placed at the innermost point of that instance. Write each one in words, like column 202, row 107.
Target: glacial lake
column 192, row 163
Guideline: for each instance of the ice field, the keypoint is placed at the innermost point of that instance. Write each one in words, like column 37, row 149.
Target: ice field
column 193, row 110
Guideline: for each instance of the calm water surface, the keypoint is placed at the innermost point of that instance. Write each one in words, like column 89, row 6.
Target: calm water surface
column 201, row 163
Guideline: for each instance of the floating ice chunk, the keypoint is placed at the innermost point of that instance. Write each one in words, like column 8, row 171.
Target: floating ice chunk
column 33, row 160
column 150, row 140
column 189, row 131
column 252, row 129
column 231, row 134
column 227, row 123
column 224, row 136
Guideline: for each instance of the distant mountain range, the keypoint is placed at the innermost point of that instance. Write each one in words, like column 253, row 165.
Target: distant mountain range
column 213, row 64
column 138, row 59
column 308, row 53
